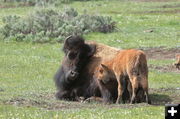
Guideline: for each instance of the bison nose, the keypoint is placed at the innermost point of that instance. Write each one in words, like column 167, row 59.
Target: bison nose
column 73, row 74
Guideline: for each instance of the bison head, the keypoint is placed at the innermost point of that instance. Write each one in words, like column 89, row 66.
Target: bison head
column 77, row 53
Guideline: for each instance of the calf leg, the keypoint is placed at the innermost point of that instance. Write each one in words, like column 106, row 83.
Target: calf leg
column 129, row 87
column 145, row 88
column 134, row 82
column 120, row 90
column 148, row 100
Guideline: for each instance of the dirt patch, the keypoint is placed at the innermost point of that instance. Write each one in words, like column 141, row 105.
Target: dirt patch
column 168, row 6
column 62, row 105
column 161, row 53
column 154, row 0
column 165, row 95
column 158, row 97
column 53, row 105
column 175, row 11
column 165, row 68
column 18, row 5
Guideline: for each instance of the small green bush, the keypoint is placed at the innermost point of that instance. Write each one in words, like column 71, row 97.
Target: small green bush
column 48, row 25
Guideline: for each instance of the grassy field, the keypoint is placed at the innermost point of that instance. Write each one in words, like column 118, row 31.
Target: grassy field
column 26, row 70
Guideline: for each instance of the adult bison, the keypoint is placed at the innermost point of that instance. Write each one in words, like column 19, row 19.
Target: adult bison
column 75, row 76
column 76, row 56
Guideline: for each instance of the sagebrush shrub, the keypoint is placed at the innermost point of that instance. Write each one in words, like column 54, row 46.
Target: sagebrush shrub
column 44, row 2
column 50, row 25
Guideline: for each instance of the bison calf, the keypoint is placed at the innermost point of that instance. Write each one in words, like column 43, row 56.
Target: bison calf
column 178, row 62
column 128, row 68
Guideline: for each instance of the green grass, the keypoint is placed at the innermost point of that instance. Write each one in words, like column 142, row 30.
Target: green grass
column 161, row 62
column 98, row 113
column 163, row 80
column 26, row 70
column 27, row 64
column 132, row 24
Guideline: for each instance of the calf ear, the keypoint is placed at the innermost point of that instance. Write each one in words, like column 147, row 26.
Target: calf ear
column 104, row 67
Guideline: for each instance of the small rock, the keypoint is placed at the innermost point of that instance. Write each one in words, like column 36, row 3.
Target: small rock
column 149, row 31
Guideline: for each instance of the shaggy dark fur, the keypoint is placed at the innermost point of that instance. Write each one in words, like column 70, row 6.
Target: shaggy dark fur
column 76, row 57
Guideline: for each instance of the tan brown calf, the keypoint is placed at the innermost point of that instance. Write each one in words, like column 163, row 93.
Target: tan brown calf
column 126, row 66
column 177, row 64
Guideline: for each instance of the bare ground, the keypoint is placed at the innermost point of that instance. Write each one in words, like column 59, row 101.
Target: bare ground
column 165, row 68
column 161, row 53
column 154, row 0
column 158, row 97
column 16, row 5
column 168, row 6
column 174, row 11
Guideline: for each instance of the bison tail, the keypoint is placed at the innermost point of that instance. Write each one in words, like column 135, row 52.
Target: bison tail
column 140, row 65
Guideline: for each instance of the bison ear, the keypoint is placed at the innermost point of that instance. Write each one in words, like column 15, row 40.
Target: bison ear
column 66, row 44
column 92, row 50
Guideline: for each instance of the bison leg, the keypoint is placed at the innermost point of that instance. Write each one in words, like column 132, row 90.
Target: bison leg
column 94, row 99
column 63, row 95
column 129, row 87
column 148, row 100
column 134, row 82
column 106, row 94
column 120, row 90
column 67, row 95
column 145, row 88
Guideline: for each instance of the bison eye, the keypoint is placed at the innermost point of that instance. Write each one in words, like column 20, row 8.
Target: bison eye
column 72, row 55
column 101, row 71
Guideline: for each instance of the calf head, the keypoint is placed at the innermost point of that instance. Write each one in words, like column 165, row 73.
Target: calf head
column 104, row 74
column 178, row 62
column 177, row 65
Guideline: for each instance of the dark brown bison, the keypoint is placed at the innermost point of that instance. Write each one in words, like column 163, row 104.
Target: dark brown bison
column 127, row 63
column 76, row 56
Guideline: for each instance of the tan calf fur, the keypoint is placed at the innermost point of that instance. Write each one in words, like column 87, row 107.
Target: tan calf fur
column 177, row 64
